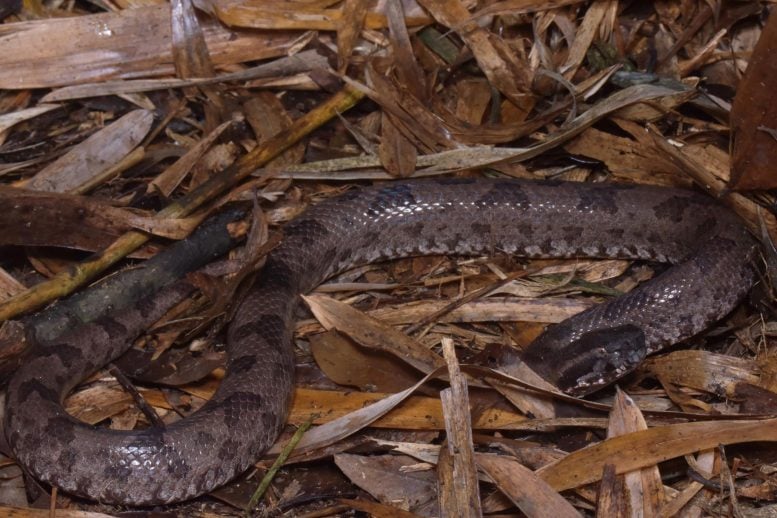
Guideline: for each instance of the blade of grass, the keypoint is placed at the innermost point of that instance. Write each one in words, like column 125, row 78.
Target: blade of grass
column 265, row 483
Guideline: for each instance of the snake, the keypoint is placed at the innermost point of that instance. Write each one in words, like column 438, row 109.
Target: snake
column 711, row 266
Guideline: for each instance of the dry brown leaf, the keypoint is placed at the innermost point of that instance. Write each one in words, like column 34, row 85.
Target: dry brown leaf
column 397, row 153
column 649, row 447
column 415, row 413
column 268, row 117
column 9, row 286
column 642, row 489
column 296, row 15
column 527, row 491
column 347, row 364
column 377, row 510
column 114, row 45
column 166, row 182
column 472, row 98
column 657, row 109
column 190, row 52
column 471, row 157
column 101, row 402
column 348, row 30
column 529, row 403
column 703, row 370
column 54, row 219
column 410, row 115
column 586, row 32
column 344, row 426
column 8, row 120
column 391, row 480
column 92, row 162
column 625, row 157
column 516, row 7
column 408, row 71
column 497, row 60
column 753, row 113
column 302, row 62
column 369, row 332
column 349, row 423
column 192, row 59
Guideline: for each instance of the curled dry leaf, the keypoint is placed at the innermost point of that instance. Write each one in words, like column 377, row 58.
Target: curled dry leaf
column 346, row 425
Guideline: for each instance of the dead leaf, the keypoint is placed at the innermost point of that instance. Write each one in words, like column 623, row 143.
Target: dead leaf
column 527, row 491
column 128, row 42
column 642, row 490
column 345, row 363
column 371, row 333
column 92, row 162
column 648, row 447
column 387, row 479
column 753, row 143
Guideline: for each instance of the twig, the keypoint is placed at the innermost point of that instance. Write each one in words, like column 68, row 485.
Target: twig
column 409, row 330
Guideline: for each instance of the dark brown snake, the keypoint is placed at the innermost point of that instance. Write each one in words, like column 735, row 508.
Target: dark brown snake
column 713, row 269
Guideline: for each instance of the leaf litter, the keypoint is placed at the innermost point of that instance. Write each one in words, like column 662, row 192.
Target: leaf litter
column 166, row 112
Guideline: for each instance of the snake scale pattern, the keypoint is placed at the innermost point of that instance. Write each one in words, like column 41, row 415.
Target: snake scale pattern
column 711, row 252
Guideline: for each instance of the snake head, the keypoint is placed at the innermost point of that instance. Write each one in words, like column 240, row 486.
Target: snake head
column 601, row 357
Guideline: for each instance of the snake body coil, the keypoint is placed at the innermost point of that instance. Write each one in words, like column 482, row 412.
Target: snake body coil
column 709, row 248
